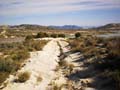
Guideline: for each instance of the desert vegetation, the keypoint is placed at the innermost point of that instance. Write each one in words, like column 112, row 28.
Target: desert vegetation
column 13, row 56
column 23, row 77
column 103, row 54
column 86, row 57
column 45, row 34
column 77, row 35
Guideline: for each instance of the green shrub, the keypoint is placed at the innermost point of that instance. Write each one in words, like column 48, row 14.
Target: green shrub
column 42, row 35
column 61, row 35
column 6, row 47
column 7, row 65
column 77, row 35
column 76, row 45
column 34, row 45
column 29, row 37
column 20, row 55
column 54, row 35
column 14, row 55
column 23, row 77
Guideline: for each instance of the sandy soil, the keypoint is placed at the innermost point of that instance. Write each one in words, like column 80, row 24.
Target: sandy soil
column 41, row 64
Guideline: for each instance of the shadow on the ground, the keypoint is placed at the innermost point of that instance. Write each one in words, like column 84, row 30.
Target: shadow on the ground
column 88, row 70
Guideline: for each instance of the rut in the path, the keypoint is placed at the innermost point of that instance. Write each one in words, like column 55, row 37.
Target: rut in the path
column 64, row 79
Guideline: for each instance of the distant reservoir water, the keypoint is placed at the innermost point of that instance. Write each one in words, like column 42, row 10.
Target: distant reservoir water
column 116, row 34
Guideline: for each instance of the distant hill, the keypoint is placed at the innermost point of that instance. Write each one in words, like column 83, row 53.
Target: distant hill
column 33, row 27
column 66, row 27
column 29, row 27
column 40, row 27
column 111, row 26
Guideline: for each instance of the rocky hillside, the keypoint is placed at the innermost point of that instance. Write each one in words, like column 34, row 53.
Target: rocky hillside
column 111, row 26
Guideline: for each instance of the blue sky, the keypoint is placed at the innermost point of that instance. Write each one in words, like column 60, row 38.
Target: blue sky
column 60, row 12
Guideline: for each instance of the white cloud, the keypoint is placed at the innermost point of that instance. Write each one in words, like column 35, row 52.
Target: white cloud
column 24, row 7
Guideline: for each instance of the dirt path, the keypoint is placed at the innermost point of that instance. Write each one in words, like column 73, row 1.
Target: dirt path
column 66, row 76
column 46, row 64
column 40, row 64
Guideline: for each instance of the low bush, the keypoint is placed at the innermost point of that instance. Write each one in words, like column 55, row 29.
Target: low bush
column 3, row 76
column 20, row 55
column 29, row 37
column 42, row 35
column 34, row 45
column 6, row 47
column 54, row 35
column 77, row 35
column 106, row 54
column 113, row 46
column 111, row 62
column 39, row 79
column 15, row 54
column 7, row 65
column 23, row 77
column 61, row 35
column 77, row 45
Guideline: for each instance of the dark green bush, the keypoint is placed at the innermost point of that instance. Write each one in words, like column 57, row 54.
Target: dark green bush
column 54, row 35
column 77, row 35
column 42, row 35
column 61, row 35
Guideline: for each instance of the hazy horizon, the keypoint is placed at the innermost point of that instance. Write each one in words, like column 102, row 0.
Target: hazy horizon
column 59, row 12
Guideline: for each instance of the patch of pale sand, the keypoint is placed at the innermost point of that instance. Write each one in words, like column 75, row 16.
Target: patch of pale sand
column 89, row 88
column 1, row 53
column 64, row 45
column 60, row 80
column 41, row 63
column 50, row 38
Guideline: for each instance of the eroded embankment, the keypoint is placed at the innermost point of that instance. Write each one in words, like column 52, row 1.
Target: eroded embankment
column 40, row 65
column 67, row 77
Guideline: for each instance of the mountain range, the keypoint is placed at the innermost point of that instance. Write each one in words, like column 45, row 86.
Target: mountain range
column 66, row 27
column 111, row 26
